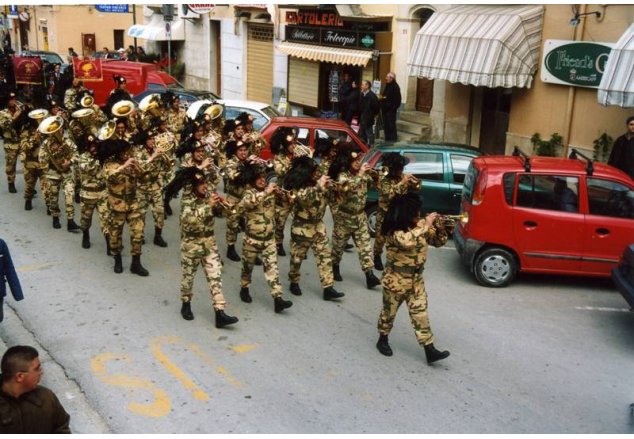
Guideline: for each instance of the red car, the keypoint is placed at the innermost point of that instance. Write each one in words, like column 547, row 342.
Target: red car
column 543, row 215
column 309, row 129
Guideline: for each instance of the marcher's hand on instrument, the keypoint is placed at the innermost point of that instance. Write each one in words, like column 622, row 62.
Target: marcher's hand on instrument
column 323, row 181
column 429, row 219
column 272, row 187
column 214, row 199
column 364, row 168
column 206, row 163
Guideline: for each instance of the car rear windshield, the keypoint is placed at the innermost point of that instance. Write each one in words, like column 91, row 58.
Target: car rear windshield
column 469, row 183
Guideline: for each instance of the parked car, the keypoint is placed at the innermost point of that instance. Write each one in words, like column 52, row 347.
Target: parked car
column 441, row 167
column 309, row 129
column 623, row 275
column 543, row 215
column 47, row 57
column 262, row 113
column 112, row 54
column 187, row 96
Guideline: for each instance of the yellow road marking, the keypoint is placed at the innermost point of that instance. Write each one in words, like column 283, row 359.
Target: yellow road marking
column 161, row 405
column 33, row 267
column 241, row 349
column 221, row 370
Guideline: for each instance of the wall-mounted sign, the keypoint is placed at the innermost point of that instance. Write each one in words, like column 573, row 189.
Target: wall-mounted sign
column 120, row 9
column 24, row 16
column 12, row 11
column 201, row 9
column 578, row 63
column 314, row 18
column 330, row 37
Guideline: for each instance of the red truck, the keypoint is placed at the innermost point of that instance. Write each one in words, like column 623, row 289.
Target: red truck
column 139, row 76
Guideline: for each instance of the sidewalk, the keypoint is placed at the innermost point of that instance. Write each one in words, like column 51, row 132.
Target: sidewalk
column 83, row 418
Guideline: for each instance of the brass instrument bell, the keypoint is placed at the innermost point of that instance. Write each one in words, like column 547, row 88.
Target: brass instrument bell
column 214, row 111
column 87, row 101
column 82, row 113
column 192, row 111
column 107, row 130
column 38, row 114
column 51, row 125
column 122, row 108
column 151, row 104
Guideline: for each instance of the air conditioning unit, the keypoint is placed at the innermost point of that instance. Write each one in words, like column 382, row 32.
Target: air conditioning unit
column 185, row 12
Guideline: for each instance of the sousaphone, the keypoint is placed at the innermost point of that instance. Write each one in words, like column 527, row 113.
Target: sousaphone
column 82, row 113
column 38, row 114
column 151, row 104
column 87, row 101
column 214, row 111
column 107, row 130
column 122, row 108
column 51, row 125
column 192, row 111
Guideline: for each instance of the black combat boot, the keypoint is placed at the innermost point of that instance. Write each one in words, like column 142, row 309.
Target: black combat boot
column 223, row 319
column 336, row 273
column 136, row 266
column 383, row 346
column 186, row 311
column 280, row 250
column 245, row 296
column 371, row 280
column 158, row 239
column 12, row 188
column 434, row 354
column 167, row 208
column 108, row 249
column 348, row 246
column 330, row 293
column 72, row 226
column 56, row 224
column 296, row 290
column 281, row 304
column 378, row 264
column 118, row 265
column 85, row 241
column 231, row 253
column 28, row 205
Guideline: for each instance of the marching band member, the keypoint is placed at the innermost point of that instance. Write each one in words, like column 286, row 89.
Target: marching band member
column 198, row 243
column 235, row 187
column 11, row 118
column 251, row 135
column 33, row 169
column 174, row 114
column 166, row 142
column 258, row 206
column 282, row 146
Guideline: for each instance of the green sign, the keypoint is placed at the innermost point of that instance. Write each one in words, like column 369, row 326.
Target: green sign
column 367, row 41
column 574, row 63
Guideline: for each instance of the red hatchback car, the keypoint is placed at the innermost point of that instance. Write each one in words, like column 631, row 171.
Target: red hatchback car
column 309, row 129
column 543, row 215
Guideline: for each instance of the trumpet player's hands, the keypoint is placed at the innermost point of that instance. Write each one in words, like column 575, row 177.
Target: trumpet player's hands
column 206, row 163
column 364, row 168
column 324, row 181
column 66, row 165
column 272, row 187
column 429, row 219
column 214, row 199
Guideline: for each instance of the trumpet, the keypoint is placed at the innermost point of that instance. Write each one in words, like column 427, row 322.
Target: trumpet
column 342, row 186
column 375, row 173
column 260, row 161
column 451, row 220
column 231, row 207
column 221, row 172
column 285, row 192
column 302, row 150
column 414, row 184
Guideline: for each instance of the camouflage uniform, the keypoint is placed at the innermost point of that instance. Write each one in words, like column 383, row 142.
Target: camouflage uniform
column 259, row 210
column 33, row 169
column 167, row 143
column 403, row 278
column 234, row 195
column 52, row 155
column 176, row 121
column 350, row 220
column 124, row 206
column 309, row 231
column 388, row 189
column 11, row 143
column 281, row 165
column 93, row 193
column 148, row 186
column 213, row 147
column 70, row 98
column 256, row 141
column 198, row 246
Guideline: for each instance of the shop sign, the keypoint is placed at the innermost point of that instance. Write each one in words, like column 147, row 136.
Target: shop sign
column 314, row 18
column 577, row 63
column 12, row 11
column 119, row 9
column 330, row 37
column 339, row 38
column 302, row 35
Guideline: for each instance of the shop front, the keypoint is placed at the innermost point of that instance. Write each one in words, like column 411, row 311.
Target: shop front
column 322, row 46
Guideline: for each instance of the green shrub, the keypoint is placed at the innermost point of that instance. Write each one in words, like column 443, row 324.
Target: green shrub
column 602, row 147
column 546, row 148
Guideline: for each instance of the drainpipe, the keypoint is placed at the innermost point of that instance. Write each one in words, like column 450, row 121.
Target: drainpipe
column 577, row 34
column 133, row 23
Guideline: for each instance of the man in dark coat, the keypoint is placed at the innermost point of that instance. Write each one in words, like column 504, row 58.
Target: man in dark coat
column 8, row 276
column 368, row 109
column 391, row 103
column 25, row 406
column 622, row 155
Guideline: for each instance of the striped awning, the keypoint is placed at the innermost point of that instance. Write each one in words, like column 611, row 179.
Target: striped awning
column 487, row 46
column 617, row 83
column 334, row 55
column 155, row 30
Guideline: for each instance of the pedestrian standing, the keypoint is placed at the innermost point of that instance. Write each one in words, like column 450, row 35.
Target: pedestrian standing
column 408, row 238
column 25, row 406
column 8, row 276
column 391, row 103
column 368, row 109
column 344, row 94
column 622, row 155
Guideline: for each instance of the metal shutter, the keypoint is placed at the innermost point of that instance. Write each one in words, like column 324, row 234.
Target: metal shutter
column 260, row 63
column 303, row 82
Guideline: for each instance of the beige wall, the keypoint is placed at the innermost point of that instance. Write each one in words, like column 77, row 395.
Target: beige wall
column 67, row 23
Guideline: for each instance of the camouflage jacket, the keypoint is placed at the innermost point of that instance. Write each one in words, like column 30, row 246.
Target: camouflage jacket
column 30, row 143
column 233, row 170
column 281, row 165
column 9, row 133
column 388, row 189
column 352, row 201
column 256, row 140
column 197, row 217
column 70, row 98
column 54, row 153
column 308, row 213
column 258, row 208
column 212, row 176
column 149, row 179
column 176, row 121
column 92, row 176
column 324, row 165
column 121, row 186
column 408, row 249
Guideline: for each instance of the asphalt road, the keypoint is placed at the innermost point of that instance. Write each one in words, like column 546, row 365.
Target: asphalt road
column 545, row 355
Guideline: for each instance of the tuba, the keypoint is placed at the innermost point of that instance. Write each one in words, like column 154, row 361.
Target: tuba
column 87, row 101
column 151, row 104
column 214, row 111
column 123, row 108
column 192, row 111
column 51, row 125
column 38, row 114
column 107, row 130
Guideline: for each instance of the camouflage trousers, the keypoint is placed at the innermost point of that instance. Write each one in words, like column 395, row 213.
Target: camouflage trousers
column 233, row 222
column 202, row 251
column 282, row 211
column 250, row 249
column 379, row 239
column 152, row 198
column 66, row 183
column 399, row 287
column 356, row 226
column 11, row 151
column 88, row 206
column 317, row 239
column 31, row 175
column 133, row 217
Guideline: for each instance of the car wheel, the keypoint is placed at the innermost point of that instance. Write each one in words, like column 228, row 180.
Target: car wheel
column 370, row 211
column 495, row 267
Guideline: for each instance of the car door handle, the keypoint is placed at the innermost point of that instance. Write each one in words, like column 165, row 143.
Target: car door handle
column 602, row 231
column 531, row 224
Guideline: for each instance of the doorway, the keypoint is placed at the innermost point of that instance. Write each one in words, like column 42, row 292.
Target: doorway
column 88, row 44
column 214, row 57
column 424, row 86
column 496, row 109
column 118, row 39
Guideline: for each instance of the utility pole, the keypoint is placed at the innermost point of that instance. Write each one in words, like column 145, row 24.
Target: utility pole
column 133, row 22
column 168, row 17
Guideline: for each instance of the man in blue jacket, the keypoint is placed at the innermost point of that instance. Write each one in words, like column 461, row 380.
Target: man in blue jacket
column 8, row 275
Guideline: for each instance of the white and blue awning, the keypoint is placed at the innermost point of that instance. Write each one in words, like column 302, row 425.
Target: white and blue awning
column 155, row 30
column 485, row 46
column 617, row 84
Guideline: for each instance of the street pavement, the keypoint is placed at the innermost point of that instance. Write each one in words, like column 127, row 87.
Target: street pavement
column 545, row 355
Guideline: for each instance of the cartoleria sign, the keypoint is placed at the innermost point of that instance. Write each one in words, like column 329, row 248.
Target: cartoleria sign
column 577, row 63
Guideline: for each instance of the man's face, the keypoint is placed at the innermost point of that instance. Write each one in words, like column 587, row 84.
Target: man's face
column 150, row 143
column 242, row 153
column 32, row 375
column 201, row 188
column 364, row 86
column 388, row 79
column 630, row 127
column 57, row 67
column 176, row 104
column 120, row 129
column 199, row 155
column 239, row 131
column 76, row 83
column 260, row 182
column 356, row 164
